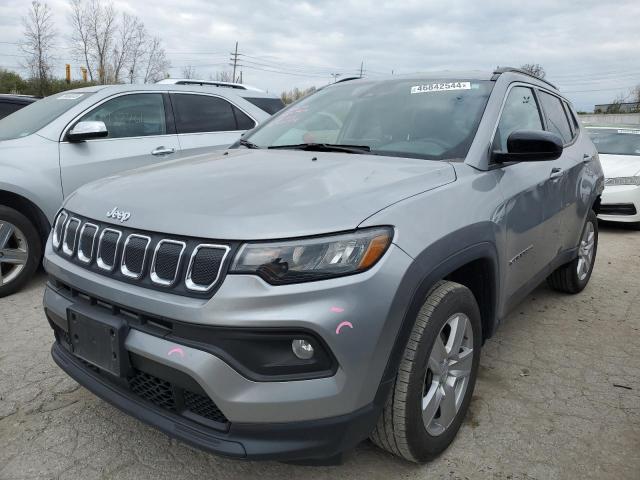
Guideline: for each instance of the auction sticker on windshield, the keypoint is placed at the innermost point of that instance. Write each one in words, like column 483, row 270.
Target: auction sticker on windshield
column 627, row 131
column 441, row 87
column 69, row 96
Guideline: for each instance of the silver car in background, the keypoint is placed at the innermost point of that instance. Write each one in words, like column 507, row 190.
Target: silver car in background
column 52, row 147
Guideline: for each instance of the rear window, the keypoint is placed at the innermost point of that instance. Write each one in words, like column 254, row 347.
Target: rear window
column 7, row 108
column 202, row 113
column 33, row 117
column 269, row 105
column 556, row 117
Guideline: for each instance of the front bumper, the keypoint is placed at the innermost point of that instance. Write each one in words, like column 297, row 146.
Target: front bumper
column 296, row 441
column 622, row 201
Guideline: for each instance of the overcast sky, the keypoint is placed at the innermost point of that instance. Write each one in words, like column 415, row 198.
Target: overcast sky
column 590, row 49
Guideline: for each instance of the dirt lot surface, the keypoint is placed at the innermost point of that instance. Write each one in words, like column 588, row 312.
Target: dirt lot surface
column 558, row 397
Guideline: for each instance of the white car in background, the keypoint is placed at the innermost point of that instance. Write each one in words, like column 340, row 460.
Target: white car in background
column 619, row 150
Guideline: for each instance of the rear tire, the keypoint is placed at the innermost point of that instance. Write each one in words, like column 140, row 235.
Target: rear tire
column 572, row 277
column 436, row 377
column 20, row 250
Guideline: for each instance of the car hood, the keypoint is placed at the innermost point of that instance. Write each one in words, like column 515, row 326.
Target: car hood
column 620, row 165
column 259, row 194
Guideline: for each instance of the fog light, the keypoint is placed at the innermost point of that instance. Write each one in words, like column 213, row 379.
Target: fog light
column 302, row 349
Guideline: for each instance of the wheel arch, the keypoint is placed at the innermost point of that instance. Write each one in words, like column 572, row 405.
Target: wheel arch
column 28, row 209
column 475, row 266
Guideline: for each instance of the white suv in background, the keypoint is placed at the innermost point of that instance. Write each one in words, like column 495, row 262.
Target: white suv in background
column 55, row 145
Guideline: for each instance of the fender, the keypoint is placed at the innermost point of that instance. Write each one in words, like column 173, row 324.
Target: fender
column 423, row 274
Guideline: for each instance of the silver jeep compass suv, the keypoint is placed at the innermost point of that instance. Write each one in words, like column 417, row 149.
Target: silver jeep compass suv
column 332, row 277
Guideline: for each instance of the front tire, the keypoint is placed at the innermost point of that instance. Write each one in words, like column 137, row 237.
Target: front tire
column 436, row 377
column 572, row 277
column 20, row 250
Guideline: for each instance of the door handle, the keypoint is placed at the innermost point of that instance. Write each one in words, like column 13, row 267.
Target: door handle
column 163, row 151
column 556, row 173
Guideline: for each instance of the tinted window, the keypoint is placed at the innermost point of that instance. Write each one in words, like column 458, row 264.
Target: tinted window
column 269, row 105
column 8, row 108
column 202, row 113
column 33, row 117
column 520, row 112
column 242, row 119
column 557, row 121
column 136, row 115
column 575, row 126
column 398, row 118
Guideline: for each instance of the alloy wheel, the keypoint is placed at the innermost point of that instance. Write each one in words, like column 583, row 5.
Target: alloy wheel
column 585, row 251
column 448, row 371
column 14, row 252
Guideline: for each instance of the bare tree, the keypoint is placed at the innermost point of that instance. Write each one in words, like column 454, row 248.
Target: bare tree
column 39, row 38
column 124, row 43
column 189, row 71
column 221, row 76
column 80, row 39
column 138, row 51
column 156, row 63
column 534, row 69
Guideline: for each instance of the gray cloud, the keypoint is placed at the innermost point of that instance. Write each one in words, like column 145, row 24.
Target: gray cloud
column 589, row 48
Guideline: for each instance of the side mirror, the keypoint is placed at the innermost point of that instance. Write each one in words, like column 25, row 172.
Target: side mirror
column 86, row 131
column 530, row 146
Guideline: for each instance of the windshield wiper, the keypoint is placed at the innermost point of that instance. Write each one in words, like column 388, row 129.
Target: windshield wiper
column 248, row 144
column 326, row 147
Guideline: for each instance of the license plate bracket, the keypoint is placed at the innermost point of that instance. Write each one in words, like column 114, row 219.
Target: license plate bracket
column 99, row 341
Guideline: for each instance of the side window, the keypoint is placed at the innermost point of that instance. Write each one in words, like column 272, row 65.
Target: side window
column 243, row 120
column 575, row 125
column 135, row 115
column 9, row 108
column 557, row 121
column 202, row 113
column 520, row 112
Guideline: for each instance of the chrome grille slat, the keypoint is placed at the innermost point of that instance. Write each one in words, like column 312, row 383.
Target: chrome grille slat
column 74, row 225
column 58, row 228
column 83, row 255
column 193, row 271
column 159, row 277
column 126, row 268
column 101, row 246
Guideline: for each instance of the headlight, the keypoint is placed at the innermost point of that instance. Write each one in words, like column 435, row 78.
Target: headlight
column 310, row 259
column 622, row 181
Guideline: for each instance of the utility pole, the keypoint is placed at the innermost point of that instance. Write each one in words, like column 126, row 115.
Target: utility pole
column 240, row 75
column 335, row 77
column 361, row 68
column 234, row 59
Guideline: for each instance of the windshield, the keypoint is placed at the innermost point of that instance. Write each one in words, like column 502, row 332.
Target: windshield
column 32, row 118
column 418, row 119
column 616, row 141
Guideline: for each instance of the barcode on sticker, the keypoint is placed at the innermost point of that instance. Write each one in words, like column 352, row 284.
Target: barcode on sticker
column 441, row 87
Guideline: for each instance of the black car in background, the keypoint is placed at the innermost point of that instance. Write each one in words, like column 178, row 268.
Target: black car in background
column 13, row 103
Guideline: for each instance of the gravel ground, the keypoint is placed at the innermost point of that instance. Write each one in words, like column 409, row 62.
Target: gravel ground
column 558, row 396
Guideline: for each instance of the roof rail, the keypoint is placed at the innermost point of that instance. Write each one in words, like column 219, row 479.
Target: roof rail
column 501, row 70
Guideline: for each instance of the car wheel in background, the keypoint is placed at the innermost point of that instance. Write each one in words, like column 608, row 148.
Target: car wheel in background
column 437, row 374
column 20, row 250
column 572, row 277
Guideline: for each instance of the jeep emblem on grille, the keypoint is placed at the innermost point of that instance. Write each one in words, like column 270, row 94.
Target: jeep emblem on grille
column 119, row 215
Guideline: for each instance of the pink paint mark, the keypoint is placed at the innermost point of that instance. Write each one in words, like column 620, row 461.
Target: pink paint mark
column 343, row 324
column 176, row 350
column 337, row 309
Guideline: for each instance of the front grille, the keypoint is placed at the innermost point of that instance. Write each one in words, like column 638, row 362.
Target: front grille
column 153, row 389
column 618, row 209
column 183, row 265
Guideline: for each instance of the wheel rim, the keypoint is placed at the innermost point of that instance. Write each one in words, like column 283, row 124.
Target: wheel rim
column 448, row 372
column 14, row 252
column 585, row 251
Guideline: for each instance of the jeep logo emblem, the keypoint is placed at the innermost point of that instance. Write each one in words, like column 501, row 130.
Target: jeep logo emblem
column 119, row 215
